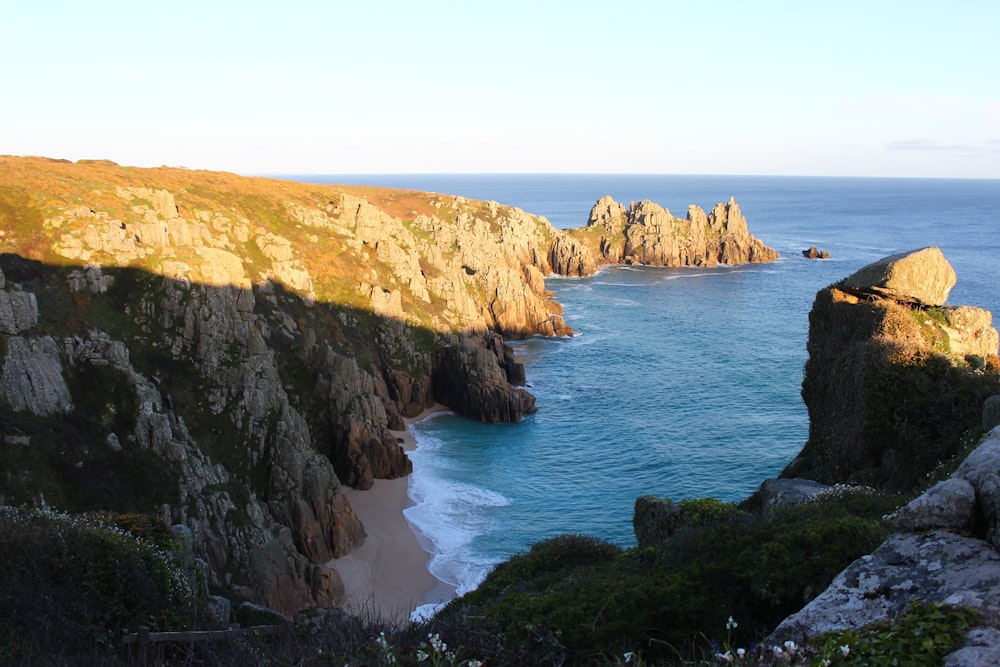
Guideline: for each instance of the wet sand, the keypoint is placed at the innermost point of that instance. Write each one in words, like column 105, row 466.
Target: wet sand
column 387, row 576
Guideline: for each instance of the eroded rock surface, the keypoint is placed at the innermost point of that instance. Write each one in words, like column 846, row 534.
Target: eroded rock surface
column 892, row 386
column 922, row 276
column 944, row 550
column 646, row 233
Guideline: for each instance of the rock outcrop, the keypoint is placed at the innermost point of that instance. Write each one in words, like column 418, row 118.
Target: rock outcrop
column 646, row 233
column 944, row 549
column 922, row 277
column 893, row 385
column 812, row 252
column 476, row 377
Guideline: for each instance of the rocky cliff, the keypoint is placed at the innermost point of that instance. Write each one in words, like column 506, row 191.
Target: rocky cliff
column 944, row 549
column 646, row 233
column 895, row 381
column 225, row 352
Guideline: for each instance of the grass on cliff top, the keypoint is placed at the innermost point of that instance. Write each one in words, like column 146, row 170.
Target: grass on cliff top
column 33, row 190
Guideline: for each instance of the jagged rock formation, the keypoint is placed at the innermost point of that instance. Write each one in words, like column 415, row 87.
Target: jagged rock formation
column 225, row 353
column 646, row 233
column 814, row 253
column 473, row 375
column 944, row 549
column 893, row 386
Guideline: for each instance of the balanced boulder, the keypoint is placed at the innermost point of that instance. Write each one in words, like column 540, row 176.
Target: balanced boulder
column 922, row 276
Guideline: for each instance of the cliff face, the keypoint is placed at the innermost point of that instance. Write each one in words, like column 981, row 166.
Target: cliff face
column 646, row 233
column 895, row 382
column 225, row 352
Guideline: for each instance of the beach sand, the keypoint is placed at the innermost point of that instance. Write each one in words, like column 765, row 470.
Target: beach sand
column 387, row 576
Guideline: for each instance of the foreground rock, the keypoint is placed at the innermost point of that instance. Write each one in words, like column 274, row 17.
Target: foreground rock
column 945, row 550
column 893, row 386
column 921, row 277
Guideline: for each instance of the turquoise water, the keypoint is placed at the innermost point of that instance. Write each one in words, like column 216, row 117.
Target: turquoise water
column 678, row 382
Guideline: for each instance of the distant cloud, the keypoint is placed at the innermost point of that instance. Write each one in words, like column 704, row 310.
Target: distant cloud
column 930, row 145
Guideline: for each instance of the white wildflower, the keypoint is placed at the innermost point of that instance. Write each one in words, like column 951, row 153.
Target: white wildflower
column 731, row 624
column 741, row 653
column 436, row 643
column 845, row 650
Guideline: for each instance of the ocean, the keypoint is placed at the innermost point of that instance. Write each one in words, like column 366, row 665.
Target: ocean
column 678, row 382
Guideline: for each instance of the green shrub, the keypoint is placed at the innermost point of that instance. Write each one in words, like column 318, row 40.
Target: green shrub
column 704, row 511
column 70, row 585
column 923, row 635
column 594, row 600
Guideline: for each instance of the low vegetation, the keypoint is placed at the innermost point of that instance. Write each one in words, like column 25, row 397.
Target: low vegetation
column 69, row 586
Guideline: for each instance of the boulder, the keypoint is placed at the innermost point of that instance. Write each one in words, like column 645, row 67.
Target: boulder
column 813, row 253
column 654, row 519
column 947, row 505
column 249, row 614
column 980, row 648
column 936, row 566
column 921, row 276
column 781, row 492
column 944, row 550
column 981, row 469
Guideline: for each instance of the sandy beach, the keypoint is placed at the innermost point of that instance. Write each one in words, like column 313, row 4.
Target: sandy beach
column 388, row 576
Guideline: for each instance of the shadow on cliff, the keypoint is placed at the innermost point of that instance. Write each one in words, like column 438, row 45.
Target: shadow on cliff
column 232, row 410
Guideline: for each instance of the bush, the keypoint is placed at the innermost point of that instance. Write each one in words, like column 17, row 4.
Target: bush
column 579, row 600
column 69, row 587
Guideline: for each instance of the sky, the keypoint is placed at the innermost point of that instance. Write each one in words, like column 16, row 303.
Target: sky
column 824, row 88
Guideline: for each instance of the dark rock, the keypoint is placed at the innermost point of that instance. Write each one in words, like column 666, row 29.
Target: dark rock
column 781, row 492
column 470, row 378
column 980, row 648
column 249, row 615
column 813, row 253
column 654, row 519
column 218, row 611
column 991, row 412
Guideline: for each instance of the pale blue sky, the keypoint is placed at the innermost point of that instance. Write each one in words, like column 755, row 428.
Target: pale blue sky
column 868, row 88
